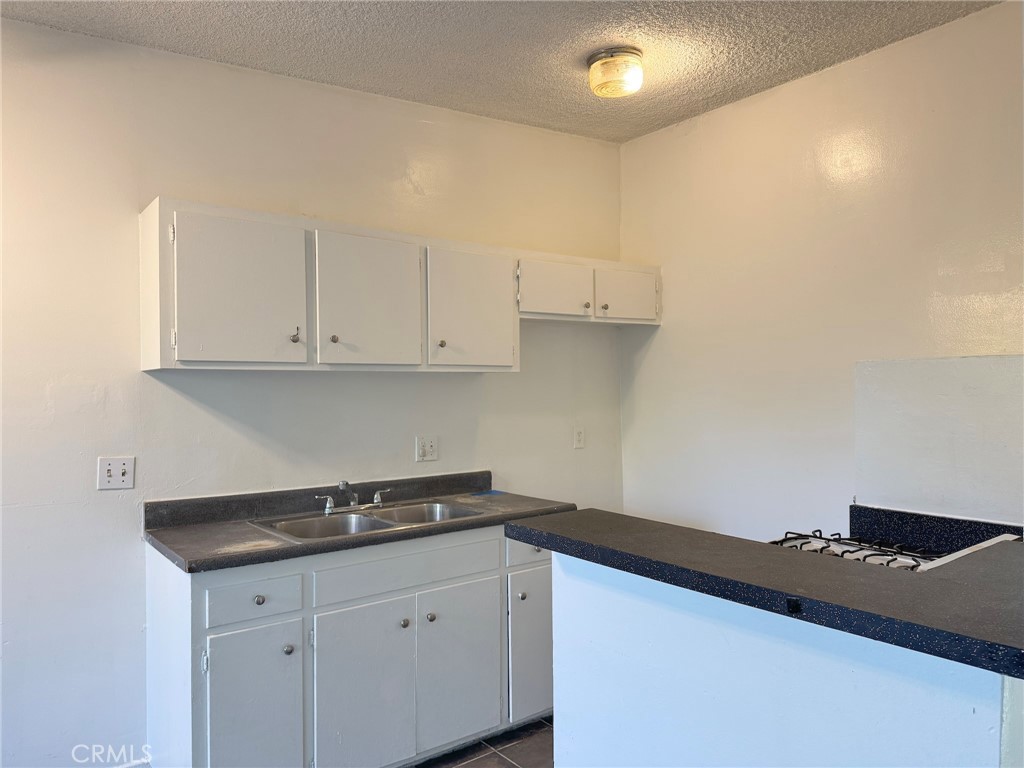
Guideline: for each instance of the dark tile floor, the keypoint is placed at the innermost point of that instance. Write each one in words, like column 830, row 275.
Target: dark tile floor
column 529, row 746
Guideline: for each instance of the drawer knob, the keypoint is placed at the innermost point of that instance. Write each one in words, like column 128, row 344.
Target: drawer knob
column 537, row 549
column 295, row 336
column 335, row 339
column 522, row 595
column 586, row 305
column 442, row 343
column 431, row 617
column 604, row 306
column 288, row 649
column 259, row 599
column 404, row 623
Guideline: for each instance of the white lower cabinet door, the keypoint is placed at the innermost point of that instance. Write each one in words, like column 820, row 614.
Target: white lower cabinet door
column 529, row 643
column 458, row 662
column 364, row 681
column 254, row 697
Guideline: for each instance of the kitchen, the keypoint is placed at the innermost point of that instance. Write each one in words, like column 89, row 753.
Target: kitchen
column 870, row 211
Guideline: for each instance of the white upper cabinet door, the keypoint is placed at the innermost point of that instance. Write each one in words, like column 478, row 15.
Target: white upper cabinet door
column 368, row 300
column 470, row 308
column 240, row 290
column 626, row 295
column 554, row 288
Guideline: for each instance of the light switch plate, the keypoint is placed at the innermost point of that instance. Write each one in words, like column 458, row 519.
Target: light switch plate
column 115, row 472
column 426, row 448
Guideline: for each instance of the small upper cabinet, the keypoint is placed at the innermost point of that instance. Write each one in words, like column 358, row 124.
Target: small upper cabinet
column 554, row 288
column 625, row 295
column 368, row 300
column 471, row 309
column 240, row 290
column 583, row 292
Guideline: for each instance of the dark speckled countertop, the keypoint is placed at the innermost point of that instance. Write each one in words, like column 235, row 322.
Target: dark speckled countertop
column 970, row 610
column 208, row 546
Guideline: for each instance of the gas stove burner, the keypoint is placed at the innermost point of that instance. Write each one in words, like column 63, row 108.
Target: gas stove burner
column 852, row 548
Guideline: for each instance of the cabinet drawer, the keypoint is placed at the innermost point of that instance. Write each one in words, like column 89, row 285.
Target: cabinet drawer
column 253, row 600
column 517, row 553
column 376, row 577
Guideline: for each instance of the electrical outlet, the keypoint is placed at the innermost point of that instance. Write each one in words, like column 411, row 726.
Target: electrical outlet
column 115, row 472
column 579, row 437
column 426, row 448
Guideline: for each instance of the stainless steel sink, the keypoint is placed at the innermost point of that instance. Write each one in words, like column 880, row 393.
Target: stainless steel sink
column 430, row 512
column 325, row 526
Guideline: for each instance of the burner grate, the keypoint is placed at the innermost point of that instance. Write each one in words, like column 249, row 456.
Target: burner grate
column 854, row 548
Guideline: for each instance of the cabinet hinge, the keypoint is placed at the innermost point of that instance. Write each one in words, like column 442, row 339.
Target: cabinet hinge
column 312, row 637
column 204, row 662
column 174, row 338
column 170, row 234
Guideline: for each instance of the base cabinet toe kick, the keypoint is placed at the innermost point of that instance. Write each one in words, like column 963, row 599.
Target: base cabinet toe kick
column 371, row 657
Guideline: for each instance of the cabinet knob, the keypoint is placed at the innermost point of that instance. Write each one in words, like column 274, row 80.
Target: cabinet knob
column 259, row 599
column 522, row 595
column 335, row 339
column 442, row 343
column 431, row 617
column 295, row 336
column 537, row 549
column 604, row 306
column 586, row 305
column 288, row 649
column 404, row 623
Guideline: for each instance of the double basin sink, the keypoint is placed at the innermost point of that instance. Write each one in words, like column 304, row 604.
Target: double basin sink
column 322, row 526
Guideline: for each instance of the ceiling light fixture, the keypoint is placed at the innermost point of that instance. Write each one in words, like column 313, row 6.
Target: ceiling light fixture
column 616, row 72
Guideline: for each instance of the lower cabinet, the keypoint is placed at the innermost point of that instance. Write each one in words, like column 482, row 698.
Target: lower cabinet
column 458, row 662
column 529, row 643
column 254, row 697
column 364, row 670
column 364, row 658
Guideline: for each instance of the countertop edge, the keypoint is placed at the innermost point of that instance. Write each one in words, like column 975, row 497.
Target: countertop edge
column 322, row 546
column 961, row 648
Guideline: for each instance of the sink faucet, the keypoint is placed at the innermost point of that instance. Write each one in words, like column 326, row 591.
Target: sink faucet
column 376, row 496
column 346, row 489
column 329, row 506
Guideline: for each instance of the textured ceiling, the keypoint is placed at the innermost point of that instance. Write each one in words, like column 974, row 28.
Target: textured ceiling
column 518, row 61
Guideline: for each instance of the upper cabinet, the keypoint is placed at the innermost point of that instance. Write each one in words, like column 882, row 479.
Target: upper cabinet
column 620, row 294
column 554, row 288
column 625, row 295
column 471, row 309
column 240, row 290
column 233, row 289
column 368, row 300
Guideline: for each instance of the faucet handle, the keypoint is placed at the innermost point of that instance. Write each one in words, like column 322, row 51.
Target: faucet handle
column 329, row 505
column 377, row 495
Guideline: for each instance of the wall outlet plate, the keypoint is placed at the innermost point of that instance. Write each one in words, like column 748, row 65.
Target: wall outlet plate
column 579, row 437
column 115, row 472
column 426, row 448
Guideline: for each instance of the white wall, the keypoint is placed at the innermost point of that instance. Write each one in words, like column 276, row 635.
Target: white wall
column 942, row 436
column 870, row 211
column 702, row 681
column 92, row 131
